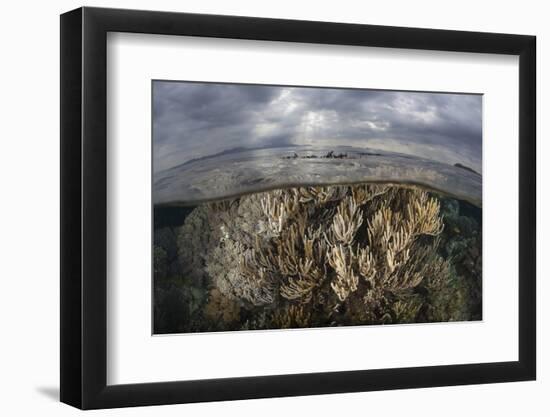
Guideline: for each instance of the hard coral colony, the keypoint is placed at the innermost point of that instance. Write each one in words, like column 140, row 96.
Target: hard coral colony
column 320, row 256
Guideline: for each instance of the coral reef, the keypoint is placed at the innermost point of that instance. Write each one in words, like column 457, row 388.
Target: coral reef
column 327, row 256
column 220, row 308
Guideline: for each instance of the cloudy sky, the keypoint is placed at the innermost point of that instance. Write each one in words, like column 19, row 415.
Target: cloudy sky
column 192, row 120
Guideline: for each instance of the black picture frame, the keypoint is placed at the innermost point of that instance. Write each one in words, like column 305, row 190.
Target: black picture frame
column 84, row 207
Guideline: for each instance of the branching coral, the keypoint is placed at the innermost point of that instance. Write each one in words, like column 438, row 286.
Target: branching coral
column 423, row 215
column 398, row 262
column 406, row 311
column 363, row 193
column 292, row 316
column 341, row 259
column 277, row 207
column 320, row 195
column 346, row 222
column 331, row 248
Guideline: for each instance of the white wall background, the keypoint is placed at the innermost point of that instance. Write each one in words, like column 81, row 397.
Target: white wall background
column 29, row 226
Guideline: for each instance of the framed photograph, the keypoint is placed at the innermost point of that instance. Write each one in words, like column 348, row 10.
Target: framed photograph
column 256, row 208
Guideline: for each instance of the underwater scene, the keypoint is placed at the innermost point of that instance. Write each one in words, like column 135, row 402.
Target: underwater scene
column 286, row 232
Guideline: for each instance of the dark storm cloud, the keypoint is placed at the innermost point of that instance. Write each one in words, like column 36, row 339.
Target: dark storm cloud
column 192, row 120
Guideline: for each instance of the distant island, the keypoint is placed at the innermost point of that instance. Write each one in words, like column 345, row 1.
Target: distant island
column 331, row 155
column 467, row 168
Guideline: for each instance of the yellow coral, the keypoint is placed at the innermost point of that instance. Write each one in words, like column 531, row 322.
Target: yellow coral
column 346, row 222
column 341, row 259
column 292, row 316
